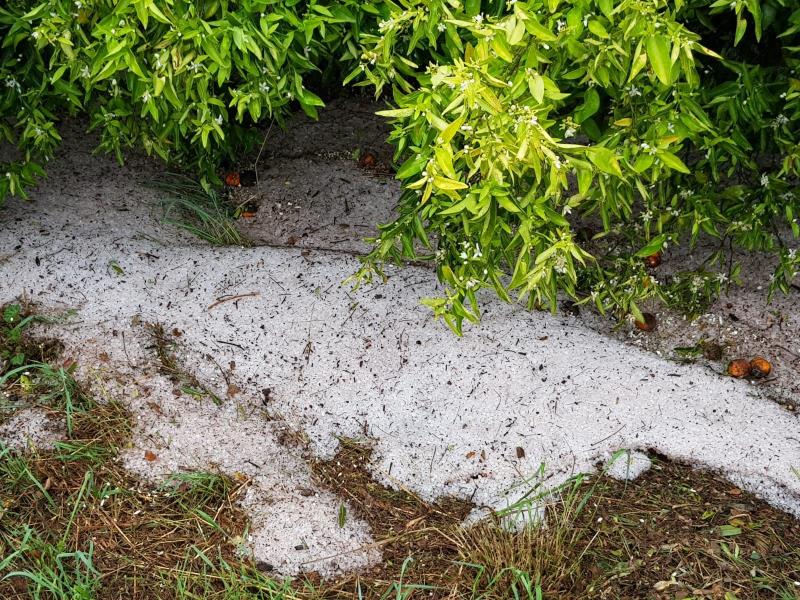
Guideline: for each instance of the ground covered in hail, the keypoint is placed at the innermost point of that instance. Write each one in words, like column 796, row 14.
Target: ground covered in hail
column 180, row 419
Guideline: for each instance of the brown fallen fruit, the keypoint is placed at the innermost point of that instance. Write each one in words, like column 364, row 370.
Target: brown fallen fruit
column 760, row 367
column 739, row 368
column 367, row 160
column 654, row 260
column 648, row 323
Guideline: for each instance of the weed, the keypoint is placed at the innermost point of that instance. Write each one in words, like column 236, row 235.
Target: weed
column 15, row 347
column 53, row 387
column 199, row 211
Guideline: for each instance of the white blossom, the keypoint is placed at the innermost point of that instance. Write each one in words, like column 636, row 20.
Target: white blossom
column 13, row 84
column 780, row 120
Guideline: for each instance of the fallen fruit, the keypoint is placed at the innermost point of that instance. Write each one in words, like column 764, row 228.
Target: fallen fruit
column 653, row 260
column 739, row 368
column 368, row 160
column 648, row 323
column 760, row 367
column 232, row 180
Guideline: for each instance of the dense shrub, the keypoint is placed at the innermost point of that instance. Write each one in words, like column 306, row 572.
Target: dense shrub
column 546, row 147
column 181, row 79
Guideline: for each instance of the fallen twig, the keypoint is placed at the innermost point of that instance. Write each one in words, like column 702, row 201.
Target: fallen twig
column 224, row 299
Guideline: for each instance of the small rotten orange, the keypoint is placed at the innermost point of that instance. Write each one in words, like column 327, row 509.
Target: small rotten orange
column 654, row 260
column 739, row 368
column 760, row 367
column 648, row 323
column 367, row 160
column 232, row 179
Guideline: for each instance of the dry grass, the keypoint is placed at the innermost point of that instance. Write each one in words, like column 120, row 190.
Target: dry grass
column 674, row 533
column 403, row 525
column 135, row 541
column 75, row 524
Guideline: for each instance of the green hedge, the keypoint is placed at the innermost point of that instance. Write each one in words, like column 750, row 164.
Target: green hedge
column 546, row 147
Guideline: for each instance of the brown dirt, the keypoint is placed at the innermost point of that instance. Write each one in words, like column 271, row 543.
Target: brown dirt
column 403, row 525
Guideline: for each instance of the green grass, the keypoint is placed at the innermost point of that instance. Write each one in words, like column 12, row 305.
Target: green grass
column 49, row 386
column 203, row 213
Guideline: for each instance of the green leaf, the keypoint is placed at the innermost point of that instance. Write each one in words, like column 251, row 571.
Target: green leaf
column 591, row 104
column 536, row 86
column 412, row 166
column 396, row 113
column 672, row 161
column 729, row 530
column 501, row 49
column 654, row 246
column 605, row 160
column 451, row 130
column 607, row 8
column 59, row 73
column 741, row 27
column 597, row 28
column 658, row 52
column 539, row 32
column 444, row 183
